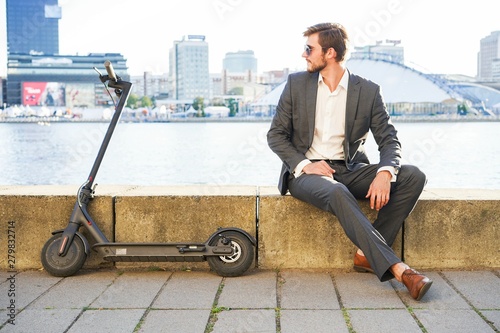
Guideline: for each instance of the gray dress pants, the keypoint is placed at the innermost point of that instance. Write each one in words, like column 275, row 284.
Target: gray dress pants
column 339, row 197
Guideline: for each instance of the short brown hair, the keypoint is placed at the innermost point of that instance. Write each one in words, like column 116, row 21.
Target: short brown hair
column 331, row 35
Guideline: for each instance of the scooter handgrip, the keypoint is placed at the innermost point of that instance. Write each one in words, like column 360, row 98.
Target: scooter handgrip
column 110, row 70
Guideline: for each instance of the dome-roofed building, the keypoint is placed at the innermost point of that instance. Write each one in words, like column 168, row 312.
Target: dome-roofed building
column 407, row 91
column 399, row 83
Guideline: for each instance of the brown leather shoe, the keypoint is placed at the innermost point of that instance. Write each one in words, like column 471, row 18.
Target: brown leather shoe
column 361, row 264
column 416, row 283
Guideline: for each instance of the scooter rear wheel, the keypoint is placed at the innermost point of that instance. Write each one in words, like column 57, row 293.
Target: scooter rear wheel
column 237, row 263
column 66, row 265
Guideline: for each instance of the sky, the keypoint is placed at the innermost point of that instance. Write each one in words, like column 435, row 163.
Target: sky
column 438, row 36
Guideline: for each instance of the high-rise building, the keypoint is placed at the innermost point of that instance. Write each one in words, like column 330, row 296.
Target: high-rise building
column 33, row 26
column 240, row 62
column 189, row 74
column 488, row 58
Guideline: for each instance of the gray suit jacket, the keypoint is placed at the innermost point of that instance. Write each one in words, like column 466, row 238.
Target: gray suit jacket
column 292, row 128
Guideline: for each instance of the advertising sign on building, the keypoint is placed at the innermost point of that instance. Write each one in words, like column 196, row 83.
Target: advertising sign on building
column 80, row 95
column 59, row 94
column 43, row 93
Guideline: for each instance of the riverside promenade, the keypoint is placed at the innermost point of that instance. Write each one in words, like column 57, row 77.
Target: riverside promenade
column 287, row 301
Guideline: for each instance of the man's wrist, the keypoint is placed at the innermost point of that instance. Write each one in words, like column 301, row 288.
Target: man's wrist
column 300, row 167
column 390, row 170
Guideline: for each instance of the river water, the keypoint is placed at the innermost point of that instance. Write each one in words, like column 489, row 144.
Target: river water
column 452, row 154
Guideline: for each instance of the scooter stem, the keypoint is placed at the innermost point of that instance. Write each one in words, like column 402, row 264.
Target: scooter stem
column 124, row 88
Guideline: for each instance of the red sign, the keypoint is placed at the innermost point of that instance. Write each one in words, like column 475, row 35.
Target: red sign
column 43, row 93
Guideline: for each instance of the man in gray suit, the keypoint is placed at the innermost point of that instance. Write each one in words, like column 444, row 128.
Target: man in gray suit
column 321, row 123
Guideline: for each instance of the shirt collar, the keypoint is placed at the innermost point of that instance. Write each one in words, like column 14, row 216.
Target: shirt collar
column 344, row 81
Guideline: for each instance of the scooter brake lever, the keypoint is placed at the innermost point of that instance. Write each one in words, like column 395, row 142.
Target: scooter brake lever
column 98, row 71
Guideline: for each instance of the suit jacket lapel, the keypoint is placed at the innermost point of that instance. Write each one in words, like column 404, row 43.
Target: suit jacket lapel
column 311, row 96
column 351, row 104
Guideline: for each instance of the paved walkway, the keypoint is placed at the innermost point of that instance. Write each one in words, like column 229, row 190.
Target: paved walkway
column 261, row 301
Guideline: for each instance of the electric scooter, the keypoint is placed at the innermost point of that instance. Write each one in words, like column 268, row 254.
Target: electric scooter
column 229, row 251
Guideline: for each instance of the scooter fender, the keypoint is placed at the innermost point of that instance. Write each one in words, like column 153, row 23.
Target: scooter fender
column 84, row 240
column 241, row 231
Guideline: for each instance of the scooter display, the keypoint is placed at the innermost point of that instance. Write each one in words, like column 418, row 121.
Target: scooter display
column 229, row 251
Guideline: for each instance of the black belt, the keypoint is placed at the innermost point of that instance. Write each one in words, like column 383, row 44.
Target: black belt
column 331, row 161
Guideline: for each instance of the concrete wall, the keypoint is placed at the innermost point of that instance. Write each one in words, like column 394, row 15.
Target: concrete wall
column 448, row 228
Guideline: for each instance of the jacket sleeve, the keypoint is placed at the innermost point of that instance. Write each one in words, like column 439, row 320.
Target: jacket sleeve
column 385, row 134
column 280, row 136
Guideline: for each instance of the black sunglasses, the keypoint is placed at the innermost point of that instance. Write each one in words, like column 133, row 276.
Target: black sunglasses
column 308, row 49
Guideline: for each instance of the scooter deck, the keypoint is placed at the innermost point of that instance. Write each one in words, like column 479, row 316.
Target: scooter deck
column 160, row 252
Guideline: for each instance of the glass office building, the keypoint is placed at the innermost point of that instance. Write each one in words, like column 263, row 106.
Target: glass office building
column 33, row 26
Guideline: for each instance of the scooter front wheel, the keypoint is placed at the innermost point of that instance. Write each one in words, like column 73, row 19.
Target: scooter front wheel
column 66, row 265
column 237, row 263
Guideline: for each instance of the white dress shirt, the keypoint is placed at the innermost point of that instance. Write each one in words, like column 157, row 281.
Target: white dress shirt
column 329, row 133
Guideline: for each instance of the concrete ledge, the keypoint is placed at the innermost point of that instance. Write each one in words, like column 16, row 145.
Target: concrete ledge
column 454, row 229
column 38, row 211
column 448, row 229
column 293, row 234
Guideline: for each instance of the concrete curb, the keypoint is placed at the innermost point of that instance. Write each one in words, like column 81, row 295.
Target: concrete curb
column 448, row 229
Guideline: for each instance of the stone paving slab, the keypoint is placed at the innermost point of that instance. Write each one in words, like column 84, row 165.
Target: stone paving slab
column 317, row 321
column 132, row 290
column 481, row 288
column 243, row 321
column 202, row 286
column 255, row 290
column 107, row 321
column 75, row 292
column 175, row 321
column 42, row 321
column 452, row 321
column 307, row 290
column 388, row 320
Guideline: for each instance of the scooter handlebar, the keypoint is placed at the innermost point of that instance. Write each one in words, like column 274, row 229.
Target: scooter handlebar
column 110, row 70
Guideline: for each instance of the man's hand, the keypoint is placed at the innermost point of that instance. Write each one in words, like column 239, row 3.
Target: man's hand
column 379, row 191
column 319, row 168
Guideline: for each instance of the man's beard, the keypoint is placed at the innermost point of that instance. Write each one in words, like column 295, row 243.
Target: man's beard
column 316, row 68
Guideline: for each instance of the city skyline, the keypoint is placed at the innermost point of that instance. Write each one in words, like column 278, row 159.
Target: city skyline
column 439, row 37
